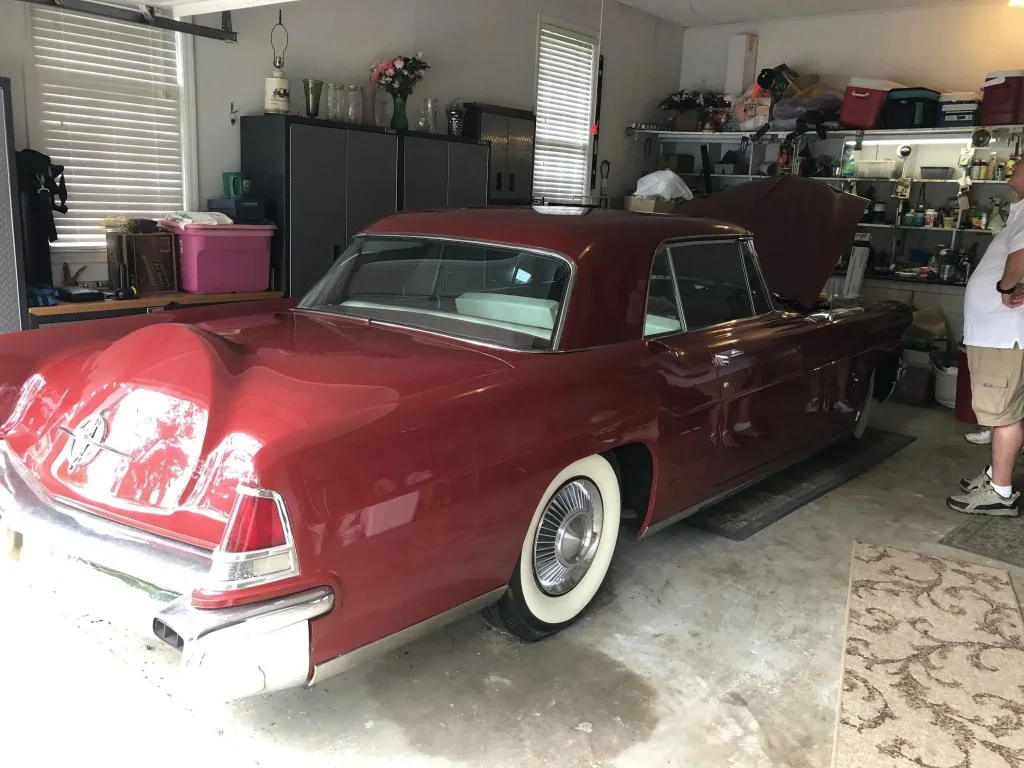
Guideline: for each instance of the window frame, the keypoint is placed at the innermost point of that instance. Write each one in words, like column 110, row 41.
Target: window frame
column 745, row 243
column 563, row 313
column 588, row 36
column 78, row 254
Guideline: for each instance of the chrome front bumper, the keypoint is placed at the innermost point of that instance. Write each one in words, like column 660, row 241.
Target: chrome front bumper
column 227, row 653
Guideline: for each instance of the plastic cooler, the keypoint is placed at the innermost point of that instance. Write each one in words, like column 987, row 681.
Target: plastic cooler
column 1002, row 101
column 864, row 102
column 958, row 109
column 911, row 108
column 223, row 258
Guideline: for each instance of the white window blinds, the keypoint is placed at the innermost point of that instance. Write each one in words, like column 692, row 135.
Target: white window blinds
column 565, row 108
column 109, row 111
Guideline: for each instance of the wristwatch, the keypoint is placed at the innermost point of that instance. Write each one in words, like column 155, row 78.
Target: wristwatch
column 1004, row 291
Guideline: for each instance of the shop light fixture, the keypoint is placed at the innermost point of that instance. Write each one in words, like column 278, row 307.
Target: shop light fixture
column 963, row 140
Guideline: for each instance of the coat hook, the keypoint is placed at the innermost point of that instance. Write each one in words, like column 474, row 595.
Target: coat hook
column 233, row 113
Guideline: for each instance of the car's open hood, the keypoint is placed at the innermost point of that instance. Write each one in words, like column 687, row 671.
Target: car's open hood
column 801, row 228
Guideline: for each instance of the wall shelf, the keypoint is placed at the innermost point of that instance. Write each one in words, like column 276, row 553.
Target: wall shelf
column 730, row 137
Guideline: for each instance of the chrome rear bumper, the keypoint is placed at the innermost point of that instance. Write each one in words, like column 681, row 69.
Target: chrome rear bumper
column 227, row 653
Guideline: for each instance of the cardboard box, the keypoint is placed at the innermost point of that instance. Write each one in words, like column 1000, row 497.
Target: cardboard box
column 676, row 163
column 648, row 205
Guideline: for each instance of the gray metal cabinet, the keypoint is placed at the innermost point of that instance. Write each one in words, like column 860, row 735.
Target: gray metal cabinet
column 519, row 160
column 467, row 175
column 512, row 134
column 426, row 173
column 317, row 203
column 494, row 128
column 371, row 179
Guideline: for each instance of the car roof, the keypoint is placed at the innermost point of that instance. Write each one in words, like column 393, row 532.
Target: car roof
column 569, row 231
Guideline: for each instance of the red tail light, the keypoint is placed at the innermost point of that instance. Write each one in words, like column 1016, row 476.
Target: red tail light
column 255, row 524
column 257, row 547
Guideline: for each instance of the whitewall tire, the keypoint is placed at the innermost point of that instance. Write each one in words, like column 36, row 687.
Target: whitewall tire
column 565, row 554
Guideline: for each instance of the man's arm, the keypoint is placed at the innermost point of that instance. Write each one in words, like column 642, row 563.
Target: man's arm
column 1013, row 274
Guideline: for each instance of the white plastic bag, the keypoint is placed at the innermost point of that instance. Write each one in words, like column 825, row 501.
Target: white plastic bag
column 663, row 185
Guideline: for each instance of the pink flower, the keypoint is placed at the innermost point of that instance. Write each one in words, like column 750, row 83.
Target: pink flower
column 419, row 54
column 399, row 63
column 420, row 73
column 374, row 77
column 383, row 66
column 390, row 72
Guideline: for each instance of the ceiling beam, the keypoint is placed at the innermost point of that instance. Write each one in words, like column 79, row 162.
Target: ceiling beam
column 146, row 18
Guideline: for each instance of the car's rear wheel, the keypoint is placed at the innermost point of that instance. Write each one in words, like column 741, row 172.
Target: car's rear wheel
column 566, row 552
column 865, row 411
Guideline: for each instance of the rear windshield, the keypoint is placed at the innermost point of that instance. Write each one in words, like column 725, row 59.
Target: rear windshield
column 507, row 296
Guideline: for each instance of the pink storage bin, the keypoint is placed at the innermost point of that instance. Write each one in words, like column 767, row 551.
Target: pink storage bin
column 223, row 258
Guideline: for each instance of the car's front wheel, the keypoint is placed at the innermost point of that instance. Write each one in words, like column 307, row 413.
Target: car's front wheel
column 566, row 552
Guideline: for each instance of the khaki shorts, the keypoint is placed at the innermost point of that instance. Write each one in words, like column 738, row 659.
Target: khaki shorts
column 997, row 385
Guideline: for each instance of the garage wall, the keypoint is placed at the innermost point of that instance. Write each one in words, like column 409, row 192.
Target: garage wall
column 14, row 56
column 480, row 50
column 947, row 47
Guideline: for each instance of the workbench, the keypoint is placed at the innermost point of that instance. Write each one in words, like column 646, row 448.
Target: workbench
column 66, row 312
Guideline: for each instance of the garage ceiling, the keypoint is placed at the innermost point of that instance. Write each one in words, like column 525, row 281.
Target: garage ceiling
column 703, row 13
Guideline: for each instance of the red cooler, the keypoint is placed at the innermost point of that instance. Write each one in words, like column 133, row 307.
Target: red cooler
column 864, row 103
column 223, row 258
column 1002, row 102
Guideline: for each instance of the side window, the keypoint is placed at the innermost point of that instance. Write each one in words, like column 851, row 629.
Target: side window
column 662, row 311
column 763, row 303
column 712, row 284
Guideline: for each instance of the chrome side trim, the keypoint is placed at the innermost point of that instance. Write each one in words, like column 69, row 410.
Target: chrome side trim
column 192, row 624
column 138, row 556
column 556, row 339
column 774, row 469
column 387, row 644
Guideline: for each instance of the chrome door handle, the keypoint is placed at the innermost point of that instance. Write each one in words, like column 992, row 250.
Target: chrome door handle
column 723, row 358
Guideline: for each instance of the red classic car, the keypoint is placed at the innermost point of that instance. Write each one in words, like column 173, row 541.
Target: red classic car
column 460, row 416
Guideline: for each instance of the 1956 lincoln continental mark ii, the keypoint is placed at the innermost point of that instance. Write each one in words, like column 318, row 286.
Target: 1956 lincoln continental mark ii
column 460, row 416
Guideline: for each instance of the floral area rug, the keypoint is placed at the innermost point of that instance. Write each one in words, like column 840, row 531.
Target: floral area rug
column 933, row 665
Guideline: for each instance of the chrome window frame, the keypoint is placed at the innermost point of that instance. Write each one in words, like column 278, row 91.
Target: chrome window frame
column 563, row 312
column 675, row 292
column 748, row 244
column 741, row 242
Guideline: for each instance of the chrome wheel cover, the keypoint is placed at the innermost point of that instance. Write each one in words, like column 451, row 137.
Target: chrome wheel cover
column 568, row 536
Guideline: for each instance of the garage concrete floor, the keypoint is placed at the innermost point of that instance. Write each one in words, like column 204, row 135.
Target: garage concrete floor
column 700, row 651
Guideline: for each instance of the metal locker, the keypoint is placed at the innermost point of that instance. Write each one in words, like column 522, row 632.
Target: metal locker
column 13, row 302
column 520, row 157
column 467, row 175
column 317, row 226
column 494, row 128
column 371, row 179
column 426, row 174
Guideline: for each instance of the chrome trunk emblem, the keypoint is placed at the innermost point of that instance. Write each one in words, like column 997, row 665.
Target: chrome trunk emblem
column 87, row 441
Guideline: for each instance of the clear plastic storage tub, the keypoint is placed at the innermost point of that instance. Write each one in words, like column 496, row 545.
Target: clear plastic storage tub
column 223, row 258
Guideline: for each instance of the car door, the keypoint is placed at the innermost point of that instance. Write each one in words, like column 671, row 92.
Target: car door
column 688, row 391
column 764, row 359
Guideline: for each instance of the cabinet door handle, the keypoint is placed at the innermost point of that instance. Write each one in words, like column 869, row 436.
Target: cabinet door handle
column 499, row 181
column 511, row 182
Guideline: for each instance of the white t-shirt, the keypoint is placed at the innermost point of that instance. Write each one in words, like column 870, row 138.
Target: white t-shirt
column 987, row 321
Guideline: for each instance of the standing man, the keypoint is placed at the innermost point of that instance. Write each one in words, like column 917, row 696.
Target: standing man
column 994, row 335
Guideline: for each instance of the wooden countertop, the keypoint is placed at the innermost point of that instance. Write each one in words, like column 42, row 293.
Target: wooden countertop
column 150, row 302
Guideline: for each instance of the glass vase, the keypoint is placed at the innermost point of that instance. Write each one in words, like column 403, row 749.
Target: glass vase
column 399, row 118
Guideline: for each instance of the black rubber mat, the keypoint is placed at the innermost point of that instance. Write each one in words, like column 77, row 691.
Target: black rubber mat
column 1001, row 538
column 754, row 509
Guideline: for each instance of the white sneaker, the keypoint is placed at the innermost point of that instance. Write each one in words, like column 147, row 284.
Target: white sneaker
column 842, row 407
column 983, row 437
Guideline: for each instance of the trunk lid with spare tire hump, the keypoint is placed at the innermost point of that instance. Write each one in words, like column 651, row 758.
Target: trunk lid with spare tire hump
column 159, row 429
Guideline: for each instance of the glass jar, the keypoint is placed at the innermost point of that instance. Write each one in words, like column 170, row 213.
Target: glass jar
column 421, row 119
column 432, row 115
column 332, row 101
column 353, row 104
